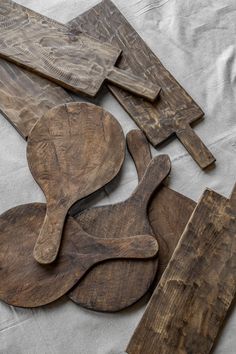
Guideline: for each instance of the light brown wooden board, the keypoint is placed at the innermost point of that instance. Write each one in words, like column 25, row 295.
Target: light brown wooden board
column 25, row 97
column 79, row 63
column 127, row 281
column 26, row 283
column 168, row 211
column 194, row 294
column 174, row 110
column 72, row 151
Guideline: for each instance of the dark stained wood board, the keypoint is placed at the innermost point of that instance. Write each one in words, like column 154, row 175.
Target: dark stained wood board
column 127, row 280
column 78, row 63
column 26, row 283
column 72, row 151
column 174, row 110
column 194, row 294
column 168, row 211
column 25, row 97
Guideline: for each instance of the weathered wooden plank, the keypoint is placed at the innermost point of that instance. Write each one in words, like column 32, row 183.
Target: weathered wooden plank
column 174, row 110
column 78, row 63
column 194, row 294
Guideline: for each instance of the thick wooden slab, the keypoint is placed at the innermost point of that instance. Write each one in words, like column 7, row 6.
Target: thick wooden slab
column 175, row 110
column 190, row 303
column 169, row 211
column 25, row 97
column 72, row 151
column 127, row 281
column 79, row 63
column 26, row 283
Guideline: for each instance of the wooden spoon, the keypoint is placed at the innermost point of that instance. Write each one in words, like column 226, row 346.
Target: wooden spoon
column 72, row 151
column 26, row 283
column 169, row 211
column 127, row 281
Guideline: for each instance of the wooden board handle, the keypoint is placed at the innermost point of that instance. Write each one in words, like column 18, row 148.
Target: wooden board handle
column 135, row 247
column 194, row 146
column 139, row 149
column 49, row 239
column 133, row 84
column 156, row 172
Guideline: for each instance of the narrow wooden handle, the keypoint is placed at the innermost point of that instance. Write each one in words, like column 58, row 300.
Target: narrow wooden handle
column 156, row 172
column 133, row 84
column 195, row 146
column 139, row 149
column 135, row 247
column 49, row 239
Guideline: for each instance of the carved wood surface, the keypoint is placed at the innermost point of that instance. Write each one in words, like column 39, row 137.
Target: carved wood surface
column 194, row 294
column 174, row 110
column 72, row 151
column 26, row 283
column 127, row 281
column 79, row 63
column 168, row 211
column 25, row 97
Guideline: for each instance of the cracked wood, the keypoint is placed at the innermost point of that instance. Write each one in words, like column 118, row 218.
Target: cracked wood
column 190, row 303
column 174, row 110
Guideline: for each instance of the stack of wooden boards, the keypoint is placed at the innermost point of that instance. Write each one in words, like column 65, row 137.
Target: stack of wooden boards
column 106, row 258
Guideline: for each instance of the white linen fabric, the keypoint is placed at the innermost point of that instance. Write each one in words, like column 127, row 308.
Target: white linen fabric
column 195, row 40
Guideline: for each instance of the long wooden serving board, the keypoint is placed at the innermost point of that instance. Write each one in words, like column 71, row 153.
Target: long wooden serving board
column 195, row 292
column 175, row 110
column 77, row 62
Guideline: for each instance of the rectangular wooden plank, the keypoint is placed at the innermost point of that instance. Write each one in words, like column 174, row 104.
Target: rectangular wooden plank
column 174, row 110
column 194, row 294
column 77, row 62
column 25, row 97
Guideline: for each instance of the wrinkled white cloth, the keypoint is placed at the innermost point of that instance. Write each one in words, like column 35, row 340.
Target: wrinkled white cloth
column 195, row 40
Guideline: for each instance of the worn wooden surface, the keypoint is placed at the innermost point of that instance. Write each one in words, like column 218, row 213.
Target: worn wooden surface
column 26, row 283
column 190, row 303
column 127, row 280
column 79, row 63
column 72, row 151
column 174, row 110
column 169, row 211
column 25, row 97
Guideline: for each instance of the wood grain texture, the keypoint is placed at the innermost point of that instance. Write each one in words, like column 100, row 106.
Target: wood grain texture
column 72, row 151
column 169, row 211
column 79, row 63
column 194, row 294
column 127, row 281
column 26, row 283
column 174, row 110
column 25, row 97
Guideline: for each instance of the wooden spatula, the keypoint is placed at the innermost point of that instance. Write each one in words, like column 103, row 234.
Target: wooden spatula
column 79, row 63
column 26, row 283
column 127, row 281
column 72, row 151
column 198, row 286
column 175, row 110
column 169, row 211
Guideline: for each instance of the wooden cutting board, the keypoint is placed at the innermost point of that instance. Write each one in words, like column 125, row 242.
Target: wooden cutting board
column 169, row 211
column 127, row 281
column 72, row 151
column 26, row 283
column 79, row 63
column 25, row 97
column 175, row 110
column 194, row 294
